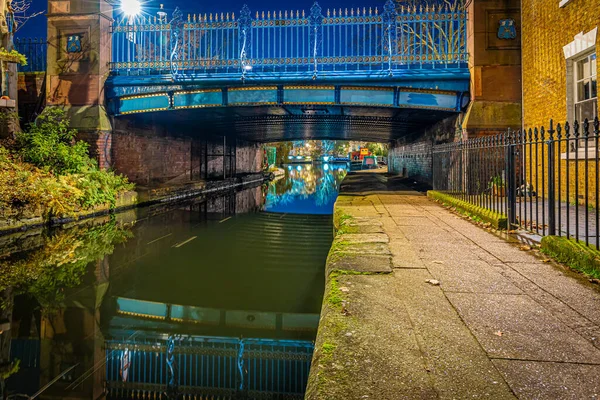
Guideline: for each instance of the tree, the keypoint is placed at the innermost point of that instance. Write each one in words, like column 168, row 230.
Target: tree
column 20, row 13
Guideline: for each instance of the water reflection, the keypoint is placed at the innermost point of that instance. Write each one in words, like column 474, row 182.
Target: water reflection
column 306, row 189
column 211, row 297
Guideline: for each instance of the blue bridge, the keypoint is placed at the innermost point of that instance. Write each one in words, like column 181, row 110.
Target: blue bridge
column 268, row 76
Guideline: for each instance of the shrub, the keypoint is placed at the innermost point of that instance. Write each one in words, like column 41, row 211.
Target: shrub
column 50, row 144
column 49, row 173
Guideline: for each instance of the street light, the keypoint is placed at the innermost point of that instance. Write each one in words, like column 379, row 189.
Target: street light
column 131, row 8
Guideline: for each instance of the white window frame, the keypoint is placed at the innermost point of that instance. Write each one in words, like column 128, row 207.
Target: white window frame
column 582, row 46
column 563, row 3
column 576, row 82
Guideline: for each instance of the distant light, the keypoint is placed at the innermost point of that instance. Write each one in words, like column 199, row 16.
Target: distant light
column 131, row 8
column 291, row 157
column 299, row 157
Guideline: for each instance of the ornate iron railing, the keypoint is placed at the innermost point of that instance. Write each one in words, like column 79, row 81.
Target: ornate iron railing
column 544, row 181
column 331, row 42
column 35, row 51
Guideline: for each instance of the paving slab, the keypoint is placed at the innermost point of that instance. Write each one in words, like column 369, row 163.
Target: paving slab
column 459, row 367
column 551, row 381
column 471, row 276
column 517, row 327
column 376, row 264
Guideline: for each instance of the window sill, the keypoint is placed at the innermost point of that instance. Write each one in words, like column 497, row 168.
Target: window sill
column 591, row 154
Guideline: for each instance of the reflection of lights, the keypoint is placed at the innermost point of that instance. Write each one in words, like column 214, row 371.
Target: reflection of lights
column 326, row 167
column 289, row 167
column 299, row 167
column 340, row 170
column 291, row 157
column 326, row 158
column 309, row 167
column 299, row 157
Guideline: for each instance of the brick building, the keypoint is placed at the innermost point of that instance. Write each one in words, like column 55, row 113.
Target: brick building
column 560, row 44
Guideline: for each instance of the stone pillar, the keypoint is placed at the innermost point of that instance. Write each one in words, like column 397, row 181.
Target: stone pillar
column 494, row 43
column 79, row 52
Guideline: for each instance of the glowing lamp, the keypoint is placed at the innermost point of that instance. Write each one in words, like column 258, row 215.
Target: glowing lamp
column 131, row 8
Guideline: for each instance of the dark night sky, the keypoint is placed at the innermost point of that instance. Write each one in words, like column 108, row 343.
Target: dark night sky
column 37, row 26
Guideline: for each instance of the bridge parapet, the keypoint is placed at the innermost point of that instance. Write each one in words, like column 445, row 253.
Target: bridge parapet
column 299, row 45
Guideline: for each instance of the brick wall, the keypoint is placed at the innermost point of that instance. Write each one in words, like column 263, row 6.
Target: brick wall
column 545, row 76
column 411, row 156
column 546, row 29
column 151, row 154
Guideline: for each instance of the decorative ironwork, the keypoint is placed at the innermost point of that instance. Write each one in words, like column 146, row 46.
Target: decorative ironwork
column 172, row 369
column 177, row 35
column 316, row 22
column 389, row 19
column 35, row 51
column 245, row 23
column 294, row 43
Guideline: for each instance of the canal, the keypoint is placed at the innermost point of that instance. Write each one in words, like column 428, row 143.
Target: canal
column 215, row 297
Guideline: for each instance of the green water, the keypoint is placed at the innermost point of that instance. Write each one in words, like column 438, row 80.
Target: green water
column 98, row 304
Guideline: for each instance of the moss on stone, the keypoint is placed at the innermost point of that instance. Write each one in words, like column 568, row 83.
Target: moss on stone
column 582, row 258
column 497, row 220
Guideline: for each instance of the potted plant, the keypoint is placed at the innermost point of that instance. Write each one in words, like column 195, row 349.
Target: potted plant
column 498, row 186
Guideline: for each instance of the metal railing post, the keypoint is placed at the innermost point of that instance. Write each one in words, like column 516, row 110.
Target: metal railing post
column 551, row 182
column 511, row 187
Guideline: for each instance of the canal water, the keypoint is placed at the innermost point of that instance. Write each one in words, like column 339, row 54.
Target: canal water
column 217, row 297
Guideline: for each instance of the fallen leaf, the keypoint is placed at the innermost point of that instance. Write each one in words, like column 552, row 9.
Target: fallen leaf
column 498, row 333
column 525, row 247
column 437, row 262
column 433, row 282
column 546, row 260
column 344, row 289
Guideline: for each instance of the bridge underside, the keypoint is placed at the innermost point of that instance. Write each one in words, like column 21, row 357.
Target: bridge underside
column 282, row 123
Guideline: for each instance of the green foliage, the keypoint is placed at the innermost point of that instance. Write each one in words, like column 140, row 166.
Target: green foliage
column 50, row 144
column 49, row 173
column 575, row 254
column 378, row 149
column 496, row 220
column 61, row 262
column 12, row 56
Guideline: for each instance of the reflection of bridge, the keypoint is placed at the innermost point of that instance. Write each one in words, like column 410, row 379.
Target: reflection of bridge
column 325, row 74
column 225, row 368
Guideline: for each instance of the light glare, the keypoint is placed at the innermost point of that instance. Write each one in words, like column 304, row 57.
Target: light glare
column 131, row 8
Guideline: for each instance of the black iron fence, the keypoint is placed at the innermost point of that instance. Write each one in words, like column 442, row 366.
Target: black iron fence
column 35, row 51
column 542, row 180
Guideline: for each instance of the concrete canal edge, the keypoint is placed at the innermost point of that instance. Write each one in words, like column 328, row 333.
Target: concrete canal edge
column 132, row 199
column 360, row 247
